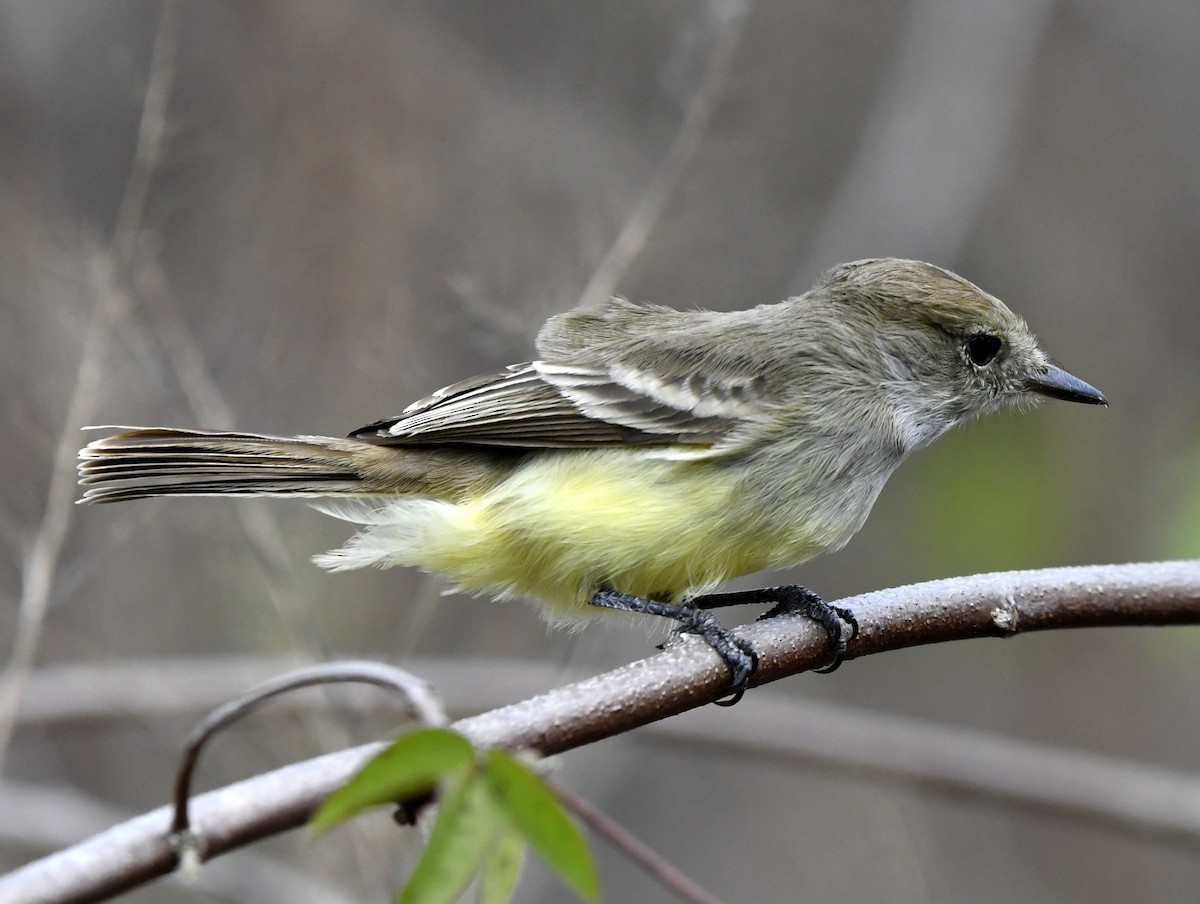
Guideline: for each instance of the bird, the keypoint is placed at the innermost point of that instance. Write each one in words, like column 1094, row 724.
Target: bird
column 646, row 455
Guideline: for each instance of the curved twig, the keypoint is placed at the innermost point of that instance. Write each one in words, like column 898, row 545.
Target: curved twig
column 426, row 708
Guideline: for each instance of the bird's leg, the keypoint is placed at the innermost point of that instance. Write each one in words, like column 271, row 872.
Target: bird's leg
column 738, row 654
column 788, row 599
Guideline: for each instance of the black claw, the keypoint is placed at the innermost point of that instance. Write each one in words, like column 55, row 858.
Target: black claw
column 737, row 689
column 739, row 655
column 847, row 615
column 794, row 598
column 839, row 655
column 735, row 695
column 837, row 635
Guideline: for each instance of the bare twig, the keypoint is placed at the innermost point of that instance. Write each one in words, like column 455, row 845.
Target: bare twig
column 425, row 707
column 678, row 883
column 1135, row 799
column 180, row 348
column 259, row 525
column 730, row 15
column 290, row 596
column 680, row 678
column 934, row 139
column 1129, row 797
column 36, row 816
column 151, row 129
column 42, row 559
column 108, row 691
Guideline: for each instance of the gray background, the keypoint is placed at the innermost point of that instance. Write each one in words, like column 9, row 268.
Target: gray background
column 356, row 203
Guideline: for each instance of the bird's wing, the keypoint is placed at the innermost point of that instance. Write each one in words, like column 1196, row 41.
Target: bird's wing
column 541, row 404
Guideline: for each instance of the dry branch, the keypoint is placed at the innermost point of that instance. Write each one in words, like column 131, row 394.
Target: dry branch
column 680, row 678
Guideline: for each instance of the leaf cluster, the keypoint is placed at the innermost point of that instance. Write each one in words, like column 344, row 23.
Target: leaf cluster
column 492, row 808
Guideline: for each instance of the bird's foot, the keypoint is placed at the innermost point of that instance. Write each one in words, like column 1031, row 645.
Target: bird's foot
column 739, row 655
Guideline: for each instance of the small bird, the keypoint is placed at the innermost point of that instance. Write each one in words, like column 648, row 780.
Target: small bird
column 647, row 455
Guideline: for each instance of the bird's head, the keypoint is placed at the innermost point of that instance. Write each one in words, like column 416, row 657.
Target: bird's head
column 942, row 349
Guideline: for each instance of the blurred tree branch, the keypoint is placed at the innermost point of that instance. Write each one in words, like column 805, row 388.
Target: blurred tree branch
column 728, row 18
column 920, row 175
column 109, row 273
column 683, row 677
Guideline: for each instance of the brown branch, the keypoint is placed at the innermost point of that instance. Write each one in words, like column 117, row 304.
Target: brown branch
column 424, row 707
column 35, row 816
column 632, row 847
column 1125, row 796
column 683, row 677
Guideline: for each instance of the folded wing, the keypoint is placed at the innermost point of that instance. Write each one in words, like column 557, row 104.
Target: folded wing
column 544, row 405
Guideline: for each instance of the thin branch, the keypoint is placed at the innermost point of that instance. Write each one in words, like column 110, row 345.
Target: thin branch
column 41, row 562
column 289, row 595
column 1130, row 797
column 1135, row 799
column 934, row 142
column 259, row 525
column 682, row 677
column 731, row 16
column 671, row 878
column 145, row 689
column 423, row 706
column 152, row 127
column 36, row 816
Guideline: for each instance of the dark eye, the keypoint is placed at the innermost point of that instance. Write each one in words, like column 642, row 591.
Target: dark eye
column 982, row 348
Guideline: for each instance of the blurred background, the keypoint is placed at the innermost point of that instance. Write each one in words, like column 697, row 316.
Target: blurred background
column 297, row 217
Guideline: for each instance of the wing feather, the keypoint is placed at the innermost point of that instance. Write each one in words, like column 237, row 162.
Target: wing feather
column 627, row 374
column 545, row 405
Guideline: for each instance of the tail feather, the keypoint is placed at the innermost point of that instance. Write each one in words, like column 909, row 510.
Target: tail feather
column 157, row 461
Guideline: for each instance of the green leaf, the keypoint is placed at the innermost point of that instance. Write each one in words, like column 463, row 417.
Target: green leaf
column 413, row 765
column 539, row 816
column 467, row 821
column 502, row 868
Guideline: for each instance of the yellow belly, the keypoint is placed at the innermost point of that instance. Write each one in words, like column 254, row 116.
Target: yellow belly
column 568, row 524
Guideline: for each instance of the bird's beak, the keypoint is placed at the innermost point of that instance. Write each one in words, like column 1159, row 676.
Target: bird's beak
column 1056, row 383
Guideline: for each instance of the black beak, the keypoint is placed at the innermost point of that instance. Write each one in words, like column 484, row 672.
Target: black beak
column 1056, row 383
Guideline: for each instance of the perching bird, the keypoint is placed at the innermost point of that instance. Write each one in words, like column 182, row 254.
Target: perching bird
column 648, row 454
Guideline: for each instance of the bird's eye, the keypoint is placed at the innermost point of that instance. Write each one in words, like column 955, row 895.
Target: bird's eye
column 982, row 348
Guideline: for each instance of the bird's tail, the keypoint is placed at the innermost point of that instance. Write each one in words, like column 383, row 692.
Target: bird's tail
column 157, row 461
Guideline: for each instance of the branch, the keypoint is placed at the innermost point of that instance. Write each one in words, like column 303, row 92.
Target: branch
column 634, row 849
column 1125, row 796
column 41, row 563
column 682, row 677
column 729, row 17
column 934, row 142
column 50, row 816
